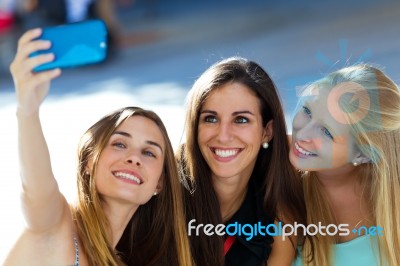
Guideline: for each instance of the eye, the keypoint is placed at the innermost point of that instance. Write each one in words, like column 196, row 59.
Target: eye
column 149, row 154
column 326, row 132
column 210, row 119
column 307, row 111
column 241, row 120
column 119, row 145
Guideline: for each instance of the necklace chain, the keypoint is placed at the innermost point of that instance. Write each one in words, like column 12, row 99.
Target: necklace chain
column 356, row 226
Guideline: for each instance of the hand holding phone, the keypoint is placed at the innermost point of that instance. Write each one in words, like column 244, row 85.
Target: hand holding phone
column 30, row 89
column 74, row 44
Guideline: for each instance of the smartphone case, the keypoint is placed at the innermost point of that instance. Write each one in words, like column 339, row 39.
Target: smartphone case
column 75, row 44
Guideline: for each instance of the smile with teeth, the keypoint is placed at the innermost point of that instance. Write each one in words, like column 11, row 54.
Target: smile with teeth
column 128, row 177
column 302, row 151
column 226, row 153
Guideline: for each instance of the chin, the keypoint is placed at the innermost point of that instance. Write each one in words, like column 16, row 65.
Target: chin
column 224, row 174
column 293, row 160
column 299, row 166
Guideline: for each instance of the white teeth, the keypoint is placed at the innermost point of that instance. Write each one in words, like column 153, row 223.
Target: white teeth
column 128, row 176
column 226, row 153
column 303, row 151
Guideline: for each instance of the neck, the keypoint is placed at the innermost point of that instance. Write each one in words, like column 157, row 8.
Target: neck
column 345, row 195
column 231, row 194
column 342, row 177
column 118, row 215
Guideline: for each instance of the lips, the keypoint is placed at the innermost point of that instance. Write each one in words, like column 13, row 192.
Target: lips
column 301, row 151
column 225, row 154
column 128, row 176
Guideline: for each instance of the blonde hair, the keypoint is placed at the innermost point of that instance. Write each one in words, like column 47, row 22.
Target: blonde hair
column 162, row 218
column 376, row 128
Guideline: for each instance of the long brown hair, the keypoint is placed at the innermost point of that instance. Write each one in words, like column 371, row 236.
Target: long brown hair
column 156, row 233
column 280, row 184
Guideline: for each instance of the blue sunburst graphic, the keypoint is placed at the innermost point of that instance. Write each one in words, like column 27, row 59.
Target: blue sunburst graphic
column 328, row 65
column 344, row 59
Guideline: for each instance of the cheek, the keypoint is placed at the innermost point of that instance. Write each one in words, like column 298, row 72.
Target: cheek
column 321, row 145
column 340, row 154
column 294, row 160
column 251, row 135
column 323, row 148
column 299, row 121
column 256, row 134
column 155, row 169
column 331, row 155
column 108, row 155
column 203, row 135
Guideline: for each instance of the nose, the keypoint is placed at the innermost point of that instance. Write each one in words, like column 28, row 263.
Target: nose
column 134, row 159
column 224, row 132
column 305, row 133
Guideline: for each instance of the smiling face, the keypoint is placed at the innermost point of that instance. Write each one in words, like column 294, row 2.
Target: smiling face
column 131, row 163
column 230, row 131
column 322, row 140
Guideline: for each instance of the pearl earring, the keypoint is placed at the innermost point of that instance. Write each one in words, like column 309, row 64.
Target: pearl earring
column 155, row 193
column 265, row 145
column 355, row 163
column 87, row 173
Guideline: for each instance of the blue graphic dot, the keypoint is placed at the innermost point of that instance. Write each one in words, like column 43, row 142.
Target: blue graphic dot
column 354, row 231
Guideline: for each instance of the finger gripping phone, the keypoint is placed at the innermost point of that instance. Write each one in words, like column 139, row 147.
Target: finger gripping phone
column 74, row 44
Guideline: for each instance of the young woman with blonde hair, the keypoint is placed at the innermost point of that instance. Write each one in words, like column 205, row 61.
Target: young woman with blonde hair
column 346, row 138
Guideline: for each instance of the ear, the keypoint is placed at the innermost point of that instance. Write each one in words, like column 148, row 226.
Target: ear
column 268, row 132
column 88, row 168
column 360, row 159
column 89, row 165
column 160, row 184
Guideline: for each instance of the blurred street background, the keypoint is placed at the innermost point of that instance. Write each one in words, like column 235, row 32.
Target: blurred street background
column 158, row 50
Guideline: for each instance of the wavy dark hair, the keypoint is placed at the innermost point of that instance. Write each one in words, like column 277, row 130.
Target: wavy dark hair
column 281, row 185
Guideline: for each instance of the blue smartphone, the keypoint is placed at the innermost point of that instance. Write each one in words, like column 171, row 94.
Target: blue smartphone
column 74, row 44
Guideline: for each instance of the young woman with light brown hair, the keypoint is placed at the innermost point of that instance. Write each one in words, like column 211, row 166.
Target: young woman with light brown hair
column 126, row 174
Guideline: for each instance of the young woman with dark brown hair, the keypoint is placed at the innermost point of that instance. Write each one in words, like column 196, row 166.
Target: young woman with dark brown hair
column 235, row 164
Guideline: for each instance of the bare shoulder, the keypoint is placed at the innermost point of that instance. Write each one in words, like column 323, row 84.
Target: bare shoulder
column 284, row 246
column 52, row 247
column 283, row 249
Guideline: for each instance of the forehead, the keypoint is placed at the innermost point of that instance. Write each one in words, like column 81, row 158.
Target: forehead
column 142, row 128
column 232, row 96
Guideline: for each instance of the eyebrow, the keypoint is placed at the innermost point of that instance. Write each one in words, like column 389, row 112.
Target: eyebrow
column 233, row 114
column 306, row 102
column 243, row 112
column 150, row 142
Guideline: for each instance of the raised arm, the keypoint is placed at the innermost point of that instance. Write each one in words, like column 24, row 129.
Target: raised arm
column 42, row 202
